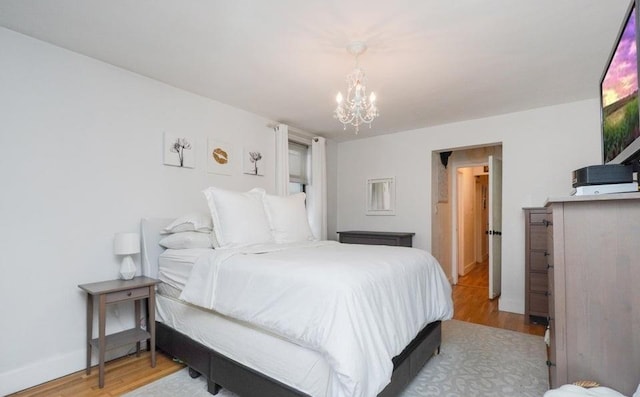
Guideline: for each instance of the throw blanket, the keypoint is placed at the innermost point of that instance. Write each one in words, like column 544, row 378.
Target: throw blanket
column 577, row 391
column 358, row 305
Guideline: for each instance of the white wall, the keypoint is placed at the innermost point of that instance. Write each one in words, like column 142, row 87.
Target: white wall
column 540, row 148
column 82, row 160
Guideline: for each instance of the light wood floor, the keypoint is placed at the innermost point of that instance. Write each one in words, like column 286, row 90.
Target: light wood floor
column 471, row 303
column 121, row 376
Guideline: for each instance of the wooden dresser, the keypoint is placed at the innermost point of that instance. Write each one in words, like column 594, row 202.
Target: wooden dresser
column 536, row 301
column 377, row 238
column 594, row 281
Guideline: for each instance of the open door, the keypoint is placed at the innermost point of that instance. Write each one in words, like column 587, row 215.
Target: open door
column 495, row 226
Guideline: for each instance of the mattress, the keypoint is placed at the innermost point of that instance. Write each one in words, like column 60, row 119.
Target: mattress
column 174, row 265
column 301, row 368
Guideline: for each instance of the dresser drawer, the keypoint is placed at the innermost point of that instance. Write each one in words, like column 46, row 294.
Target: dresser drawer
column 538, row 261
column 537, row 217
column 538, row 282
column 538, row 237
column 538, row 304
column 135, row 293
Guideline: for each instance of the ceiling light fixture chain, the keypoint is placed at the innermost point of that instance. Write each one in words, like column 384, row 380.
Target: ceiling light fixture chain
column 356, row 109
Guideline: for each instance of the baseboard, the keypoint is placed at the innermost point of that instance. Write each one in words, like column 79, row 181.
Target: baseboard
column 51, row 368
column 511, row 305
column 469, row 266
column 41, row 371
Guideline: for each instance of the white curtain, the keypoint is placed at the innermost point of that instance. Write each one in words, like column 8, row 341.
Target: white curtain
column 282, row 159
column 317, row 190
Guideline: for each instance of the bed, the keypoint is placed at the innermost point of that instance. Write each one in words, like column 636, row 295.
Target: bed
column 250, row 360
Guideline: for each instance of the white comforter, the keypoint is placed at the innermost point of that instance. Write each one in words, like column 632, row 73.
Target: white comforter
column 357, row 305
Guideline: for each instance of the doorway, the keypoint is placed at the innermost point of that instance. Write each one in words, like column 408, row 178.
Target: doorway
column 466, row 227
column 471, row 302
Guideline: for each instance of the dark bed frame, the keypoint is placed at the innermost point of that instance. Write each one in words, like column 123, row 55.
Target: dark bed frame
column 221, row 371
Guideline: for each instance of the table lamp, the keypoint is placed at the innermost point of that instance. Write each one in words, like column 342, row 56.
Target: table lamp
column 127, row 244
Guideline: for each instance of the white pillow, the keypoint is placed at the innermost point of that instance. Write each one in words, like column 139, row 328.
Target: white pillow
column 287, row 217
column 191, row 222
column 239, row 219
column 186, row 240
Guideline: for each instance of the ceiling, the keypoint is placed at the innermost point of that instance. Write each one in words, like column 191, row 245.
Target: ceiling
column 430, row 62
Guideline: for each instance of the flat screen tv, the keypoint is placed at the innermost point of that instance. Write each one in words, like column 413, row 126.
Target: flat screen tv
column 619, row 96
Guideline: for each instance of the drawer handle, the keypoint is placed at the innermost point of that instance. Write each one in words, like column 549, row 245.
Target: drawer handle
column 547, row 293
column 550, row 364
column 129, row 293
column 546, row 253
column 546, row 223
column 549, row 318
column 549, row 266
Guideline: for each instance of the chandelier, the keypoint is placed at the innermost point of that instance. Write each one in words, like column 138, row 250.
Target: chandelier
column 356, row 109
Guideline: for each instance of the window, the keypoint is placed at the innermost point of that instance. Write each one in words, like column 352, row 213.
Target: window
column 298, row 166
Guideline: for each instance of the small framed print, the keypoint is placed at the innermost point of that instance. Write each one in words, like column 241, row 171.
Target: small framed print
column 179, row 151
column 219, row 157
column 253, row 162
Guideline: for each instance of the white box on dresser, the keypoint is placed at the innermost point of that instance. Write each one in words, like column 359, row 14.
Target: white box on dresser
column 594, row 281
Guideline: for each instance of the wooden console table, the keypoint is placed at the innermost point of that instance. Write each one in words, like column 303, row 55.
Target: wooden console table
column 377, row 238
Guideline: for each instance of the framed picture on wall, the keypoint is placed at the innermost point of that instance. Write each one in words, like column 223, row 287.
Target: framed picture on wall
column 219, row 157
column 253, row 162
column 179, row 151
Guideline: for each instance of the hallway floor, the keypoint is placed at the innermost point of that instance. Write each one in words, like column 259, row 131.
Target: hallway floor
column 471, row 304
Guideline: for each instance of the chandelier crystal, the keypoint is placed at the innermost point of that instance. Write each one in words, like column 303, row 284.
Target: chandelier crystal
column 356, row 109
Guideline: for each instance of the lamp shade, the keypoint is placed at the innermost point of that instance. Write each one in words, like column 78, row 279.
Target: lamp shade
column 126, row 243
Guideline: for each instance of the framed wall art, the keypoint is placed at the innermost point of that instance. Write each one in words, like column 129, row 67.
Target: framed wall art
column 219, row 157
column 253, row 162
column 179, row 151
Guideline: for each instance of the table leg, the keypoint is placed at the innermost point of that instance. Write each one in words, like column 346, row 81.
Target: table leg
column 89, row 330
column 102, row 341
column 138, row 320
column 151, row 322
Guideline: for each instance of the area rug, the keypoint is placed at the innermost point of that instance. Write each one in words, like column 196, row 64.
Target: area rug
column 474, row 361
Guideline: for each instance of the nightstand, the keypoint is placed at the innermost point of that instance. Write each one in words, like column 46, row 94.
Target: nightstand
column 116, row 291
